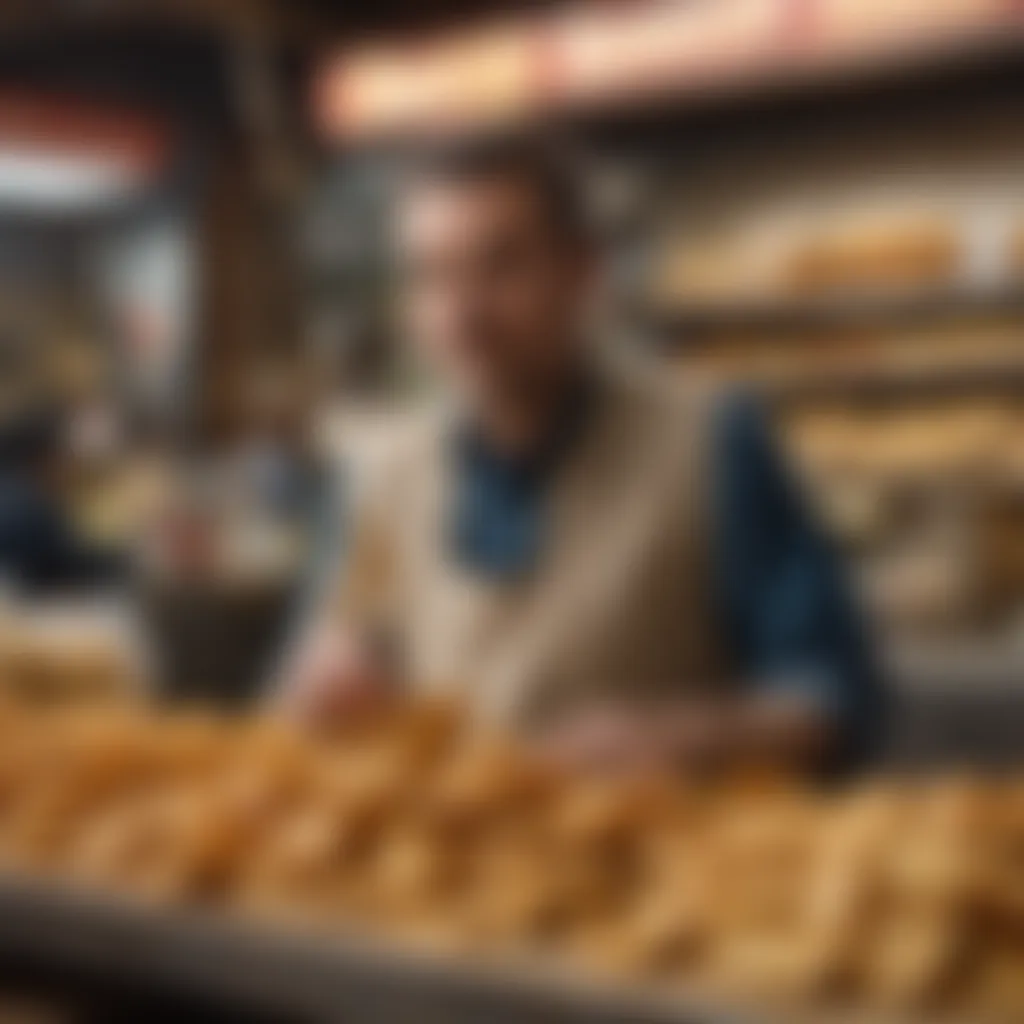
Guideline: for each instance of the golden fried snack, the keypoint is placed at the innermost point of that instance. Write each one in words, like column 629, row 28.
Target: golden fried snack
column 764, row 963
column 514, row 902
column 130, row 843
column 995, row 987
column 599, row 812
column 365, row 790
column 484, row 782
column 913, row 960
column 191, row 744
column 890, row 894
column 302, row 868
column 879, row 251
column 664, row 933
column 174, row 842
column 38, row 826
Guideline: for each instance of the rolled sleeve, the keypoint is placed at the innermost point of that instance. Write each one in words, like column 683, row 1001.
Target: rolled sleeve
column 792, row 625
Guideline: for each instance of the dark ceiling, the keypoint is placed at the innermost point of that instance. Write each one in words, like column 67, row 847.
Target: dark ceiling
column 381, row 15
column 119, row 50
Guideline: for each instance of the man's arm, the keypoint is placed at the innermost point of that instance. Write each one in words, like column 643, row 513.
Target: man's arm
column 705, row 734
column 334, row 662
column 811, row 697
column 797, row 635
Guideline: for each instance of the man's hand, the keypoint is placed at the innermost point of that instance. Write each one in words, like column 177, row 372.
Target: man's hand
column 621, row 740
column 334, row 675
column 698, row 736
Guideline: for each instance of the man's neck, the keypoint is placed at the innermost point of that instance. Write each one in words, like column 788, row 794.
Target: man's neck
column 520, row 422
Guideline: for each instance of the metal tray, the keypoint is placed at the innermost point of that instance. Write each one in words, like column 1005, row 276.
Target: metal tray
column 250, row 968
column 254, row 968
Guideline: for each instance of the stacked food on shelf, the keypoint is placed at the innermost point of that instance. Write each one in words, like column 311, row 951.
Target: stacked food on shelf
column 67, row 655
column 788, row 362
column 881, row 252
column 888, row 340
column 411, row 827
column 920, row 439
column 926, row 492
column 872, row 249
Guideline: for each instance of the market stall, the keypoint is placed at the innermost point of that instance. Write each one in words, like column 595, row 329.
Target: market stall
column 409, row 862
column 818, row 200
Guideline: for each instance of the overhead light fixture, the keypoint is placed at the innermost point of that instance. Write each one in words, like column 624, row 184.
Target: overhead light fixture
column 61, row 155
column 38, row 182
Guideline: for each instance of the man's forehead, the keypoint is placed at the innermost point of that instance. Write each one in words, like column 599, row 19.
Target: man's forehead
column 426, row 210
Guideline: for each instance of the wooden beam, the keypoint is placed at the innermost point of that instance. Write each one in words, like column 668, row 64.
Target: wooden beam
column 284, row 22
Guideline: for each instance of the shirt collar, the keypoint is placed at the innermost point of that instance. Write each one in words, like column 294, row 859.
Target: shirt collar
column 536, row 467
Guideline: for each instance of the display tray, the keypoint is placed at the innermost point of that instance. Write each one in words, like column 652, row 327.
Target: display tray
column 252, row 966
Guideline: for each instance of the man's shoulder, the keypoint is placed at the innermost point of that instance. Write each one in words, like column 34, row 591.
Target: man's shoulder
column 385, row 448
column 666, row 397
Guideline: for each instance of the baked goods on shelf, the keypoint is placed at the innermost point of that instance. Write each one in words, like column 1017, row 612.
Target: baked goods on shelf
column 875, row 252
column 716, row 272
column 911, row 440
column 854, row 354
column 894, row 893
column 927, row 495
column 856, row 252
column 66, row 655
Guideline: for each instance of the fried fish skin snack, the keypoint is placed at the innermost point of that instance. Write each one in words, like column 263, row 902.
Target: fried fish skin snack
column 178, row 841
column 318, row 851
column 92, row 751
column 572, row 855
column 516, row 907
column 23, row 761
column 841, row 899
column 366, row 790
column 426, row 731
column 192, row 744
column 37, row 828
column 903, row 894
column 129, row 842
column 66, row 768
column 914, row 961
column 483, row 784
column 266, row 771
column 766, row 964
column 305, row 867
column 413, row 875
column 660, row 933
column 590, row 813
column 994, row 989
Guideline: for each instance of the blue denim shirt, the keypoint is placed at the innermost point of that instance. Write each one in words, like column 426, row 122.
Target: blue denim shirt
column 788, row 616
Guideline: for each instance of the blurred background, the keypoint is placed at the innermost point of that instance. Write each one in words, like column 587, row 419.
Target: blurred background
column 820, row 199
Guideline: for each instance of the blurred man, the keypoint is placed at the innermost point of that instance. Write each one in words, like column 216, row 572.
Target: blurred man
column 41, row 552
column 610, row 559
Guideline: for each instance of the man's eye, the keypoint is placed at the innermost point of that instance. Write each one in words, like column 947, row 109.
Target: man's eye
column 420, row 273
column 506, row 258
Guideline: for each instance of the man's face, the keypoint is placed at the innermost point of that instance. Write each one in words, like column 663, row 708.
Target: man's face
column 492, row 293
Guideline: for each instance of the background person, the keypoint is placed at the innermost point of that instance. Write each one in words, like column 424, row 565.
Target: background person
column 42, row 553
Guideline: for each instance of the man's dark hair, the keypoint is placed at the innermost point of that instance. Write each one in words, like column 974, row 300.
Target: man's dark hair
column 545, row 171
